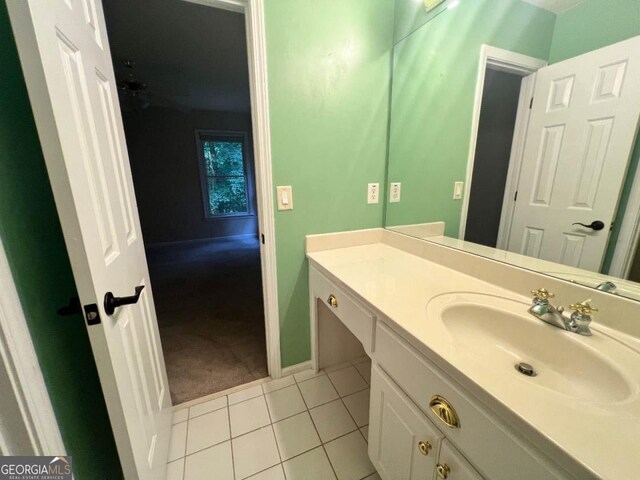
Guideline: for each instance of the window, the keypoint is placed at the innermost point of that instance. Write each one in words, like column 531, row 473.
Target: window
column 223, row 173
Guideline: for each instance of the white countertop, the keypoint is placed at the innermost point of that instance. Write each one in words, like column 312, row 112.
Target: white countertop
column 601, row 437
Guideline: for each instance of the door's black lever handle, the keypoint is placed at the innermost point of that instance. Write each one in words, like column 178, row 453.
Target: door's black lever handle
column 595, row 225
column 111, row 302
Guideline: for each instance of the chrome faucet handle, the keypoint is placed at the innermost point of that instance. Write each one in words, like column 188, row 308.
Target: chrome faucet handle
column 581, row 317
column 542, row 294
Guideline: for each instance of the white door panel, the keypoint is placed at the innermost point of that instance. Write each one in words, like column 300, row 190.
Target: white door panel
column 583, row 123
column 65, row 55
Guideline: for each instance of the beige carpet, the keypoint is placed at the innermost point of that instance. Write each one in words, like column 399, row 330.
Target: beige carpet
column 208, row 298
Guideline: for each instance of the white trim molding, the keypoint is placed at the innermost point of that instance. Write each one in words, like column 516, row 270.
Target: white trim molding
column 504, row 61
column 27, row 423
column 259, row 89
column 629, row 235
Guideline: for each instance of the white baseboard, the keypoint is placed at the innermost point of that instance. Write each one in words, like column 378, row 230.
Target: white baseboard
column 300, row 367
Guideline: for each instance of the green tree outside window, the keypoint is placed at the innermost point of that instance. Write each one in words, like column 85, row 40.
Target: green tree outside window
column 226, row 182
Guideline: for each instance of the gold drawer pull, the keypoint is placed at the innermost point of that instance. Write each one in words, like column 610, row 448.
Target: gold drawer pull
column 445, row 412
column 332, row 300
column 443, row 470
column 424, row 447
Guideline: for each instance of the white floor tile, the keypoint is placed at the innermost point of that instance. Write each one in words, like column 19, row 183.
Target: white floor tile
column 332, row 420
column 178, row 441
column 285, row 403
column 337, row 366
column 175, row 470
column 313, row 465
column 254, row 452
column 347, row 381
column 295, row 435
column 248, row 416
column 181, row 415
column 365, row 433
column 364, row 369
column 349, row 457
column 245, row 394
column 358, row 406
column 208, row 430
column 274, row 385
column 215, row 462
column 307, row 375
column 206, row 407
column 317, row 391
column 273, row 473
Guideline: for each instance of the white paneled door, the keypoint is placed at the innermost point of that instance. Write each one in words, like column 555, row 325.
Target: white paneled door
column 65, row 55
column 583, row 123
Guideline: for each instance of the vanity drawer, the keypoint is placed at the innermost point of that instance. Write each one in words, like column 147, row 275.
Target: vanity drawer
column 492, row 449
column 358, row 320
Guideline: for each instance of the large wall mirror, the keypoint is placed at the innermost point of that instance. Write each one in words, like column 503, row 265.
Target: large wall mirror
column 514, row 134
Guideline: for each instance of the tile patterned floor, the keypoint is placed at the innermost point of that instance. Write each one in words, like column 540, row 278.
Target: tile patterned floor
column 302, row 427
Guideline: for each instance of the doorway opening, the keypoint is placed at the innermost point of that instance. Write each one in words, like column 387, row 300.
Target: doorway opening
column 500, row 99
column 188, row 125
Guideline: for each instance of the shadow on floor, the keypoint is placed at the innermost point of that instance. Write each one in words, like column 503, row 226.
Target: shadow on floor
column 208, row 298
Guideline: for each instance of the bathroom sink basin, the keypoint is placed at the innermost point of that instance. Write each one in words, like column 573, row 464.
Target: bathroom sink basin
column 498, row 334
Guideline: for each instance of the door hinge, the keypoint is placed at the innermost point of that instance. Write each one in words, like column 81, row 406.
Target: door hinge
column 531, row 104
column 515, row 197
column 262, row 237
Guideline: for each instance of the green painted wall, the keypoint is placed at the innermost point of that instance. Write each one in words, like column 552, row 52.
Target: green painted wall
column 434, row 80
column 588, row 26
column 594, row 24
column 32, row 238
column 329, row 74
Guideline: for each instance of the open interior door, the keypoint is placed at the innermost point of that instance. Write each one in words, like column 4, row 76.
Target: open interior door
column 583, row 123
column 66, row 60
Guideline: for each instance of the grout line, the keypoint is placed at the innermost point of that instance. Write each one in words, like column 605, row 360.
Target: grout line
column 264, row 470
column 274, row 432
column 186, row 438
column 233, row 463
column 317, row 433
column 207, row 413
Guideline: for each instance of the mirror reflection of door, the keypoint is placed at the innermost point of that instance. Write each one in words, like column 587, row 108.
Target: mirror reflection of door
column 582, row 125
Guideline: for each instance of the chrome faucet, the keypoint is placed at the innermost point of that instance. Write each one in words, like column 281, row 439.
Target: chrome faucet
column 578, row 322
column 609, row 287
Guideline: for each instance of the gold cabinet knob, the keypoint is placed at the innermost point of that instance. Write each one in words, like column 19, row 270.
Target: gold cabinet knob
column 332, row 300
column 443, row 471
column 584, row 308
column 424, row 447
column 542, row 294
column 444, row 411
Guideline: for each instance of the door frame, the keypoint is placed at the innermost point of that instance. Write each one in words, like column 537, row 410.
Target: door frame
column 504, row 61
column 629, row 234
column 25, row 400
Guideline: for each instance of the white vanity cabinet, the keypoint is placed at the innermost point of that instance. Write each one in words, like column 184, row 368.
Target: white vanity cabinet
column 412, row 400
column 495, row 450
column 403, row 444
column 453, row 466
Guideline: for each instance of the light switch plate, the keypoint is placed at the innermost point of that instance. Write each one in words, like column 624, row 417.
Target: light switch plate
column 394, row 192
column 373, row 193
column 285, row 197
column 457, row 190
